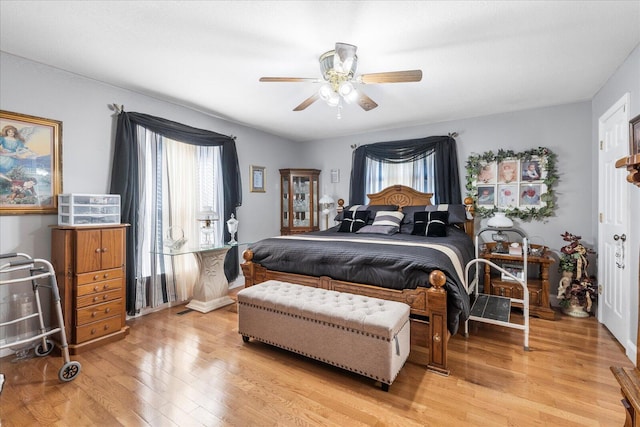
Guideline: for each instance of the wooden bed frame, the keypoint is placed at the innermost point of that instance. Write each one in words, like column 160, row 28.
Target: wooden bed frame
column 428, row 305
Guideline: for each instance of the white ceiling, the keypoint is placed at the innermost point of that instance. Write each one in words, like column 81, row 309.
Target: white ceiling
column 477, row 57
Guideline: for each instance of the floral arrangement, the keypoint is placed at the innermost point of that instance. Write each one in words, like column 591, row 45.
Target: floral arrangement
column 547, row 163
column 578, row 287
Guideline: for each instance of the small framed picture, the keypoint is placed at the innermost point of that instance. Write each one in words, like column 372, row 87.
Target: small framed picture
column 530, row 195
column 508, row 171
column 487, row 173
column 515, row 269
column 486, row 195
column 634, row 136
column 531, row 170
column 258, row 179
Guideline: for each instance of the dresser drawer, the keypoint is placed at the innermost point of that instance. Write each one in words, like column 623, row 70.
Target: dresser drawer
column 98, row 312
column 94, row 288
column 96, row 276
column 98, row 329
column 98, row 298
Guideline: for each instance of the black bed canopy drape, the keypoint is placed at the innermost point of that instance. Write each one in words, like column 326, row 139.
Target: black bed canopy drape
column 124, row 179
column 447, row 180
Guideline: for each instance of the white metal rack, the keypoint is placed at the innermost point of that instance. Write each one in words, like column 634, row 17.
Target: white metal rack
column 493, row 309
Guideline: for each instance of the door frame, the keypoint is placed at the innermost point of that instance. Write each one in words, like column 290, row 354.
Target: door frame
column 628, row 344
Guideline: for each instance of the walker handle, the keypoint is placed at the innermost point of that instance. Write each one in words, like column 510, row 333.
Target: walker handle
column 10, row 255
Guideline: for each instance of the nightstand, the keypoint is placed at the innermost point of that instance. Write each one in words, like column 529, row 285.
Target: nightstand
column 538, row 282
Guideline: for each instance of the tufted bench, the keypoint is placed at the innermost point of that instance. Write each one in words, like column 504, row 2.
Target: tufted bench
column 369, row 336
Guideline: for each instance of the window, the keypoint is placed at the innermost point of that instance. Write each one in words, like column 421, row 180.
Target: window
column 177, row 181
column 418, row 175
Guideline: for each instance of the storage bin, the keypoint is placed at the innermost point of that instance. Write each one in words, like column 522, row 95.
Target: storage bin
column 88, row 209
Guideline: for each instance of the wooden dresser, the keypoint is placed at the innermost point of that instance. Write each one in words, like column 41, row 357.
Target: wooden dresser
column 90, row 270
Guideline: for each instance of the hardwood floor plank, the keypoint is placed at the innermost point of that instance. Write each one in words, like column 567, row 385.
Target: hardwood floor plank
column 194, row 369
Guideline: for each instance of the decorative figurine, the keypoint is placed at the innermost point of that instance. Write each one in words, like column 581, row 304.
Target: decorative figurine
column 232, row 226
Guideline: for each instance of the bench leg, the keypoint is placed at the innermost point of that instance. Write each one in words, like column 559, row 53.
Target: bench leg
column 384, row 386
column 245, row 338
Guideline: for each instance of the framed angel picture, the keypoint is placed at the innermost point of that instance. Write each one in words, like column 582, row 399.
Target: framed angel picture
column 30, row 164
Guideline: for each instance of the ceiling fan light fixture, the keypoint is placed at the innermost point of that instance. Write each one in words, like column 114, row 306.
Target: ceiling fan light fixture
column 325, row 92
column 348, row 92
column 334, row 99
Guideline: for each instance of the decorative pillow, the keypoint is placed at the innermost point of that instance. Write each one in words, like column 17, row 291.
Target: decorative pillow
column 372, row 208
column 379, row 229
column 457, row 213
column 388, row 218
column 430, row 224
column 353, row 221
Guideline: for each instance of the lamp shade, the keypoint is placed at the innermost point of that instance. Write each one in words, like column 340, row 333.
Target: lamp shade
column 326, row 200
column 208, row 214
column 500, row 220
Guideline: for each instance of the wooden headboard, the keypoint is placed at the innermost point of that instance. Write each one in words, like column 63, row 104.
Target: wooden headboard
column 401, row 195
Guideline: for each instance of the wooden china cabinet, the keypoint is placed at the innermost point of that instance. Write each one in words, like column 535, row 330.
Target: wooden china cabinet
column 90, row 270
column 299, row 195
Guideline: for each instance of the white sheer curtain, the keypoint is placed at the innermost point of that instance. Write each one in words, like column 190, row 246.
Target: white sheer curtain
column 176, row 181
column 418, row 175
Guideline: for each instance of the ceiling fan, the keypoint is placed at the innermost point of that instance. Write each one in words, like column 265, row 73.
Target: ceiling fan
column 338, row 80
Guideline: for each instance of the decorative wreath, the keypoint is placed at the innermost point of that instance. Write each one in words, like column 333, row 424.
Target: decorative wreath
column 547, row 163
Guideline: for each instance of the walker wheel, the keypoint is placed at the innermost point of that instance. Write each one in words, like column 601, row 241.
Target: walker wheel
column 69, row 371
column 44, row 351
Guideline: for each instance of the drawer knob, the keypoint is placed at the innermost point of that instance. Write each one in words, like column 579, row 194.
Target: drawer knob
column 106, row 275
column 93, row 331
column 98, row 250
column 95, row 288
column 107, row 310
column 94, row 314
column 96, row 277
column 105, row 296
column 95, row 299
column 105, row 287
column 104, row 249
column 106, row 327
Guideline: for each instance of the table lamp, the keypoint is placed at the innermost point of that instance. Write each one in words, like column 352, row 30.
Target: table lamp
column 206, row 216
column 326, row 203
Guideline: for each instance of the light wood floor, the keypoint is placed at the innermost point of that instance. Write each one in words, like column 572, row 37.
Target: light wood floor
column 193, row 369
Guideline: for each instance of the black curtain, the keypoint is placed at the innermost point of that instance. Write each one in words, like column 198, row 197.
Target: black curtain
column 124, row 180
column 447, row 180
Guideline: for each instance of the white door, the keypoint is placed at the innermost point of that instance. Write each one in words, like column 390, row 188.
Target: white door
column 613, row 276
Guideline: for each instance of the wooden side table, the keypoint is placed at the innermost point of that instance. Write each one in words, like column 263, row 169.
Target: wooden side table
column 538, row 285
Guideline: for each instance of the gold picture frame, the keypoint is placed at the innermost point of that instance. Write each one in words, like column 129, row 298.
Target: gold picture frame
column 30, row 164
column 258, row 179
column 634, row 138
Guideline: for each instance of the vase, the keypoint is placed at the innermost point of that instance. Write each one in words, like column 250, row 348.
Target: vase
column 575, row 308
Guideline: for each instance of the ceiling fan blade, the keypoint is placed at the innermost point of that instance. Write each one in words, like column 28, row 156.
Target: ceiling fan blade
column 365, row 102
column 392, row 77
column 310, row 100
column 288, row 79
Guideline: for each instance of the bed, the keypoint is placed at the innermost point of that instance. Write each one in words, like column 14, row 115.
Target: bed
column 423, row 272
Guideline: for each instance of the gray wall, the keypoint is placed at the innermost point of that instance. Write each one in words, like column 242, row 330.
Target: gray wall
column 625, row 79
column 565, row 129
column 87, row 145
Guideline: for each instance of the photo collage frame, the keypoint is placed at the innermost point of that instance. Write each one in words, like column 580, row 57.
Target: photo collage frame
column 511, row 183
column 516, row 183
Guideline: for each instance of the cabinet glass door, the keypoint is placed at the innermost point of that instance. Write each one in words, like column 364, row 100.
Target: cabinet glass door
column 301, row 201
column 285, row 202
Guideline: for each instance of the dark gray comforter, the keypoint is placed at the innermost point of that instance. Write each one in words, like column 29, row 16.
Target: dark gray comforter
column 375, row 259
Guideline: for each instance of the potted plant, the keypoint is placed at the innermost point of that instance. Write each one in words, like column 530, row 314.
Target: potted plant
column 577, row 290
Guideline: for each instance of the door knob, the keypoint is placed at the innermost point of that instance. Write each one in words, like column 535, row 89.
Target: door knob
column 623, row 237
